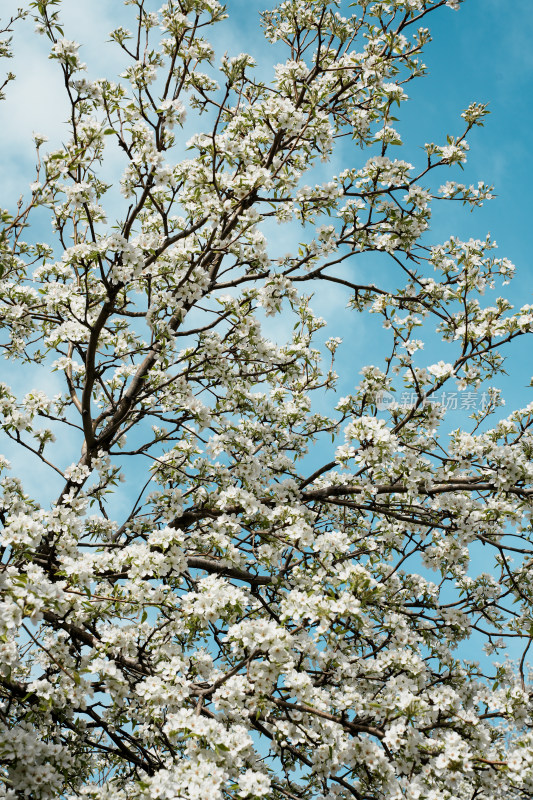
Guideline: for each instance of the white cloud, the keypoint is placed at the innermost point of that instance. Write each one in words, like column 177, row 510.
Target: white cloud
column 36, row 100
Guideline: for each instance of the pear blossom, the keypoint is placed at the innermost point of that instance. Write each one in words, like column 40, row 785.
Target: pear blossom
column 243, row 584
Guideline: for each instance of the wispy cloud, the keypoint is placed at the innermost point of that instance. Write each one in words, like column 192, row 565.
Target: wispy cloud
column 37, row 100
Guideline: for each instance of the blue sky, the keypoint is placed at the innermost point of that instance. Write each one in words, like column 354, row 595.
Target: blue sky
column 483, row 52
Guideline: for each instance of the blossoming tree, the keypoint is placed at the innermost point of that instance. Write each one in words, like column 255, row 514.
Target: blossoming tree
column 248, row 620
